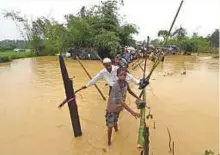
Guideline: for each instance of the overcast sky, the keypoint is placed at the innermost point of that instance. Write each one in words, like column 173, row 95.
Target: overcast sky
column 150, row 16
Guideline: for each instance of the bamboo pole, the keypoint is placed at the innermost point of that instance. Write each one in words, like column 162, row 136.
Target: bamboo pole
column 135, row 62
column 141, row 67
column 133, row 68
column 146, row 140
column 141, row 140
column 142, row 122
column 90, row 77
column 65, row 101
column 98, row 57
column 165, row 41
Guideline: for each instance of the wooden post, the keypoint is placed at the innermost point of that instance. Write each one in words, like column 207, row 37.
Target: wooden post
column 68, row 86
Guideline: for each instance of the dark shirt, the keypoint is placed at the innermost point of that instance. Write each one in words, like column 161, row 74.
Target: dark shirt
column 117, row 96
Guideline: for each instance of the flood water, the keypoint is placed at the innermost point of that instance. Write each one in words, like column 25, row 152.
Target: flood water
column 31, row 124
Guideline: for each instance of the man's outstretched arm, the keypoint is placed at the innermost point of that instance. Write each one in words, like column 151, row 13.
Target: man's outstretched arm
column 91, row 82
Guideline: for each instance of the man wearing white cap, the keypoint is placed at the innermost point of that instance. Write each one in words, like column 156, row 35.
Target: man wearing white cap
column 109, row 74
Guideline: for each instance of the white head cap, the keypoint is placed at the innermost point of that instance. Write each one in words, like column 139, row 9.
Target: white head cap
column 106, row 60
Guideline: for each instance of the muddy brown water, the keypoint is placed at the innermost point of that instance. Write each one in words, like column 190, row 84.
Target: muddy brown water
column 31, row 124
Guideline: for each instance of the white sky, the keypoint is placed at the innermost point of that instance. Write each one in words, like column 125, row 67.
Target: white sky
column 150, row 16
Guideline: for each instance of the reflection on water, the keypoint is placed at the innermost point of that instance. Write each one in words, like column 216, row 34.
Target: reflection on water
column 32, row 88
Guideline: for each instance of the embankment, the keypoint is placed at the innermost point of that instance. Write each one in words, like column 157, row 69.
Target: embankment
column 8, row 56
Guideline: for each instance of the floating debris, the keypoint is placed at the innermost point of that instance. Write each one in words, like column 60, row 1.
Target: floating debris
column 104, row 150
column 154, row 125
column 169, row 139
column 183, row 73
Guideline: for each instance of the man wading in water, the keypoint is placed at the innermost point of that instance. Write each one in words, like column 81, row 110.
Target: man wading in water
column 109, row 74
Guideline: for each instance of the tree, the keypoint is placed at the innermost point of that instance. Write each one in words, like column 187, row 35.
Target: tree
column 195, row 35
column 37, row 35
column 20, row 22
column 156, row 42
column 83, row 12
column 173, row 41
column 180, row 33
column 198, row 44
column 30, row 32
column 7, row 45
column 81, row 32
column 125, row 35
column 214, row 38
column 107, row 42
column 163, row 33
column 57, row 38
column 188, row 45
column 195, row 43
column 97, row 27
column 109, row 21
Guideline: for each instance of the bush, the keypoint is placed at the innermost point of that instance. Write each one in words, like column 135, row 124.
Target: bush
column 5, row 59
column 195, row 44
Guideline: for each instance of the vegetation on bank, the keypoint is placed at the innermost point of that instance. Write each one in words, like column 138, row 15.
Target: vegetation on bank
column 10, row 55
column 194, row 43
column 10, row 45
column 100, row 27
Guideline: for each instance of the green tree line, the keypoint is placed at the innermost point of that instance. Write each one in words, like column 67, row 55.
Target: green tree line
column 9, row 45
column 99, row 27
column 194, row 43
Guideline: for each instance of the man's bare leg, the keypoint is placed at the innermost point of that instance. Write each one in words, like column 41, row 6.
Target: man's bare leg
column 116, row 127
column 109, row 135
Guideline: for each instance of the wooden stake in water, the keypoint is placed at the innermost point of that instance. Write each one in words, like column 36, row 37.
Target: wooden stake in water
column 68, row 86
